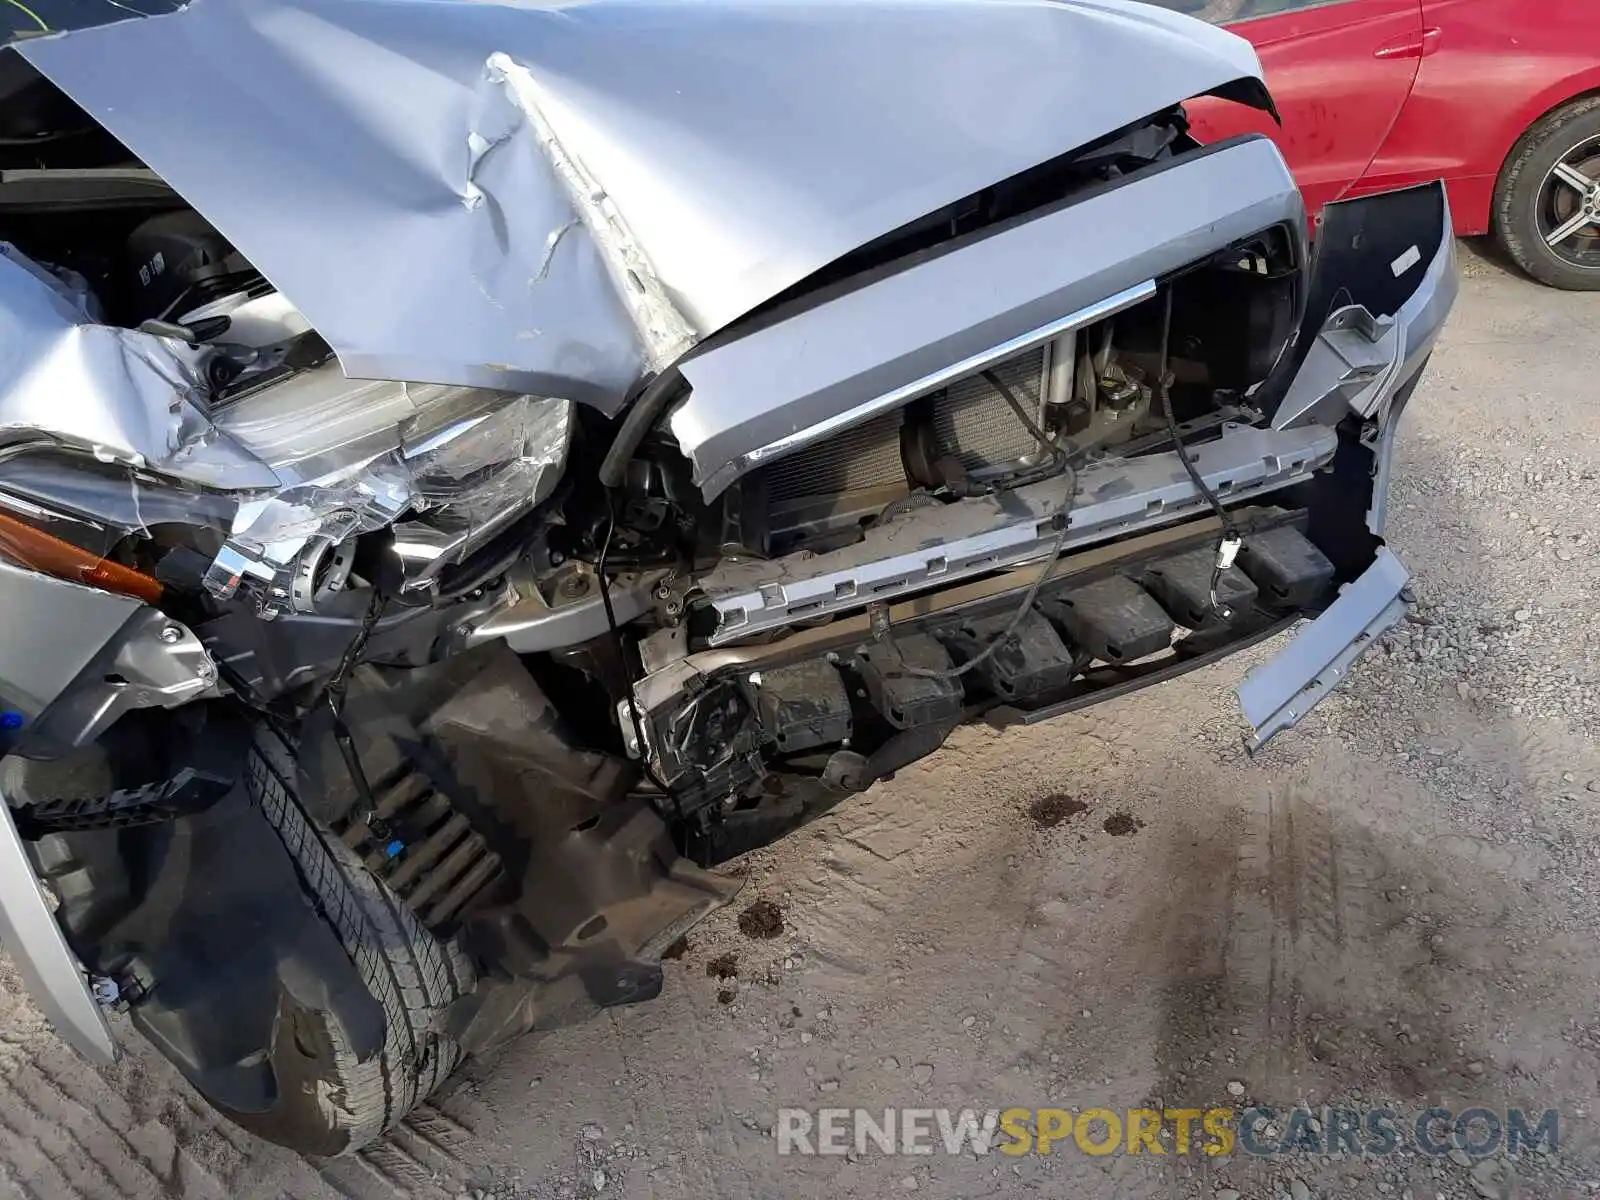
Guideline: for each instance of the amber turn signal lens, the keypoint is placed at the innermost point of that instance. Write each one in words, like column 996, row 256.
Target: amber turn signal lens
column 31, row 547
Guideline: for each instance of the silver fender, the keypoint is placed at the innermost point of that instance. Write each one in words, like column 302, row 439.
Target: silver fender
column 75, row 659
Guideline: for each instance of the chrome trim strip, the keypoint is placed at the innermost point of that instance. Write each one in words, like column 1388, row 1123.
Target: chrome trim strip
column 934, row 380
column 781, row 383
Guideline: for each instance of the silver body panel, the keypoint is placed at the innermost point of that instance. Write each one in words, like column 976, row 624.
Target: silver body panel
column 782, row 387
column 53, row 630
column 1277, row 695
column 62, row 642
column 1360, row 364
column 29, row 932
column 409, row 195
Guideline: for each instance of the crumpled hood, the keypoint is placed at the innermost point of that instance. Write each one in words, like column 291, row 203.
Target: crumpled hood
column 403, row 169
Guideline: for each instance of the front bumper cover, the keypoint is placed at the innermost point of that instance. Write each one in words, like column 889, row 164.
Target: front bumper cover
column 1383, row 283
column 1392, row 258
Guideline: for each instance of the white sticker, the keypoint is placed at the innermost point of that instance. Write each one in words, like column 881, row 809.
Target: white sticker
column 1405, row 262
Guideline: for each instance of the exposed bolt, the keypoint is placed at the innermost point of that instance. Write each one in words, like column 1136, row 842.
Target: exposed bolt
column 105, row 989
column 574, row 585
column 170, row 634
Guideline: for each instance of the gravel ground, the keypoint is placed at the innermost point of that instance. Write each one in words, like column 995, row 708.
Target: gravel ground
column 1395, row 906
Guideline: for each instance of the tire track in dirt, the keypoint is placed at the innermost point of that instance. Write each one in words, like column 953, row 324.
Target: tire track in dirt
column 129, row 1131
column 424, row 1157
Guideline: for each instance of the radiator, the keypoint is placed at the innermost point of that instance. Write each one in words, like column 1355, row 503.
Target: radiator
column 971, row 421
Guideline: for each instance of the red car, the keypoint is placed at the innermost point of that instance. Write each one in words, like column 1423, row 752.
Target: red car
column 1500, row 98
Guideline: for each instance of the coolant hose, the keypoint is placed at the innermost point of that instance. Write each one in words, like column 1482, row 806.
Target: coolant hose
column 652, row 402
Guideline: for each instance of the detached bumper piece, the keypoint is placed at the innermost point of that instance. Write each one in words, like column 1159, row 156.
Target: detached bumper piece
column 1278, row 694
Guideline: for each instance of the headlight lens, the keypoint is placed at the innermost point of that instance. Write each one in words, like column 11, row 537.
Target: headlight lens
column 467, row 465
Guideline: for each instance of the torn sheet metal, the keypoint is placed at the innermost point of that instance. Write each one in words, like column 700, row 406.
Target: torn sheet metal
column 369, row 160
column 120, row 395
column 469, row 478
column 353, row 457
column 304, row 464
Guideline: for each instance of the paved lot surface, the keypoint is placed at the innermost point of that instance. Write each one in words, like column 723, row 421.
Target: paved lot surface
column 1397, row 906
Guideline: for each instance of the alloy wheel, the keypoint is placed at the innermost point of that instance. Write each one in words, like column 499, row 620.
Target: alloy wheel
column 1568, row 206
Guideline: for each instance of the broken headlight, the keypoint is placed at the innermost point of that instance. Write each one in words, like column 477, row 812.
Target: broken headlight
column 447, row 467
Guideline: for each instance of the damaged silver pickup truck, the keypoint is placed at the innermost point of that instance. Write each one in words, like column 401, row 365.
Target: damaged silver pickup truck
column 467, row 469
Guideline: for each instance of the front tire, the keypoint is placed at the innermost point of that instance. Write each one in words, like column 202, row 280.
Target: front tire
column 331, row 1101
column 1547, row 203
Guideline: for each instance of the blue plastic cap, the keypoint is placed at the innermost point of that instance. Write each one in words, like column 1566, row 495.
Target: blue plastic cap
column 394, row 848
column 10, row 719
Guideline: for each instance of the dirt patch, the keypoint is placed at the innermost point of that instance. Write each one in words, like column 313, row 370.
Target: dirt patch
column 1049, row 811
column 726, row 996
column 723, row 966
column 763, row 919
column 676, row 951
column 1121, row 824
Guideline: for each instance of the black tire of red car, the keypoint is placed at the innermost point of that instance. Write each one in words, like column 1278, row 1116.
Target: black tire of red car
column 1531, row 203
column 331, row 1101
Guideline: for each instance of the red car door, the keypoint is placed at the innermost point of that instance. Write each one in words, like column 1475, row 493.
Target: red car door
column 1340, row 70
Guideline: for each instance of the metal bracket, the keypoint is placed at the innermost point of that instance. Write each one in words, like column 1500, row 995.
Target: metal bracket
column 1278, row 694
column 156, row 663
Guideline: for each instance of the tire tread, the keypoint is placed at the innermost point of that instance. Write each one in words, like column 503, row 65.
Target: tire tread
column 405, row 968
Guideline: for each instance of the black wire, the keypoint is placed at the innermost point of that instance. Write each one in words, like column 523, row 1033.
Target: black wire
column 1229, row 528
column 333, row 694
column 1063, row 515
column 1172, row 423
column 369, row 621
column 1028, row 423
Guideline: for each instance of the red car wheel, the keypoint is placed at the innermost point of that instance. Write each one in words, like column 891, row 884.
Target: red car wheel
column 1547, row 204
